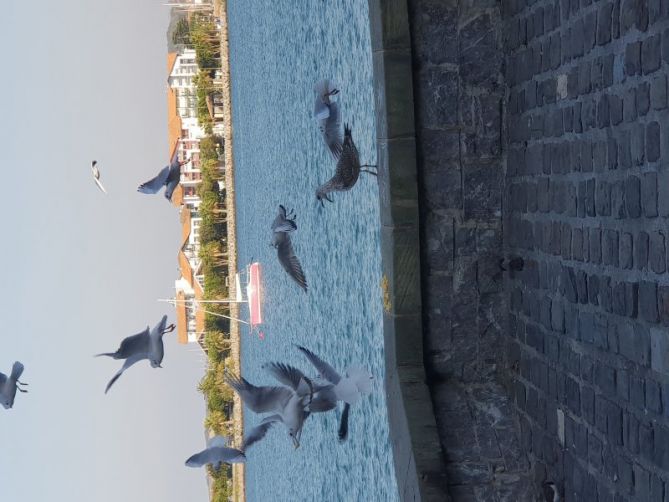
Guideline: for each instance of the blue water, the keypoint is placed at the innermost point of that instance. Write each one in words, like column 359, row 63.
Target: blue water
column 278, row 49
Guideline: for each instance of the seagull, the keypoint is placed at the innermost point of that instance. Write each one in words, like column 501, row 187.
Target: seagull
column 218, row 450
column 282, row 226
column 145, row 345
column 96, row 175
column 357, row 382
column 287, row 404
column 168, row 177
column 347, row 172
column 328, row 116
column 284, row 221
column 9, row 386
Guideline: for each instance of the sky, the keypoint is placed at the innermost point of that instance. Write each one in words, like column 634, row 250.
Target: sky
column 85, row 80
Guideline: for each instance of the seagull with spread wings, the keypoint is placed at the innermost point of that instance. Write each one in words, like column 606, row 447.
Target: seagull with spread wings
column 349, row 388
column 218, row 449
column 96, row 175
column 168, row 177
column 286, row 403
column 328, row 116
column 283, row 225
column 145, row 345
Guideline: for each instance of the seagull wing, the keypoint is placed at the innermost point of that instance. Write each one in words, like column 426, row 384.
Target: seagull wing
column 260, row 399
column 326, row 371
column 289, row 261
column 255, row 435
column 133, row 345
column 285, row 374
column 215, row 455
column 128, row 362
column 331, row 130
column 218, row 441
column 97, row 182
column 281, row 223
column 343, row 424
column 155, row 184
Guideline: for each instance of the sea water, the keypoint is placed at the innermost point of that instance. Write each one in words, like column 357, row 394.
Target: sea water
column 278, row 50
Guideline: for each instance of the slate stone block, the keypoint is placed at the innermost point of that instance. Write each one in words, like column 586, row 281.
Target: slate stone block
column 657, row 252
column 615, row 109
column 658, row 92
column 637, row 137
column 610, row 247
column 663, row 304
column 633, row 59
column 653, row 396
column 641, row 250
column 648, row 301
column 626, row 250
column 649, row 194
column 629, row 105
column 595, row 245
column 653, row 142
column 650, row 54
column 632, row 196
column 604, row 24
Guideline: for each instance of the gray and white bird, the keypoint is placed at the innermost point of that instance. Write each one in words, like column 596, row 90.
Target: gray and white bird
column 168, row 177
column 356, row 383
column 218, row 450
column 96, row 175
column 145, row 345
column 288, row 405
column 10, row 384
column 282, row 226
column 347, row 172
column 328, row 116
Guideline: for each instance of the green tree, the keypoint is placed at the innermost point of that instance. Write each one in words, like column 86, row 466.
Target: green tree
column 181, row 32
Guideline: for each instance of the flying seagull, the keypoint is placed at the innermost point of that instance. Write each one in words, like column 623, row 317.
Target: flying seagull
column 96, row 175
column 356, row 382
column 328, row 116
column 218, row 450
column 347, row 172
column 9, row 385
column 284, row 221
column 145, row 345
column 282, row 226
column 287, row 404
column 168, row 177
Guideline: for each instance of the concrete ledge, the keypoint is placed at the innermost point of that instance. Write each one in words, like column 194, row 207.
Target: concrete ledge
column 419, row 466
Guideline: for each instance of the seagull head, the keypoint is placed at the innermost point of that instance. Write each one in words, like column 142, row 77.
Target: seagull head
column 155, row 364
column 321, row 194
column 294, row 438
column 7, row 403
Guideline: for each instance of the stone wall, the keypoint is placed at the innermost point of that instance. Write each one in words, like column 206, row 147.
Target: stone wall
column 586, row 203
column 459, row 96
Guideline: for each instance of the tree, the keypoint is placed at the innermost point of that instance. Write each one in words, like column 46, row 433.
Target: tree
column 181, row 32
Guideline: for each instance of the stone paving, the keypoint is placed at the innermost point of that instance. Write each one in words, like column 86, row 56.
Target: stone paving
column 540, row 129
column 587, row 191
column 459, row 97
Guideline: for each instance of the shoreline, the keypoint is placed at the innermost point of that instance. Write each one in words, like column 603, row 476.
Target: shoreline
column 238, row 470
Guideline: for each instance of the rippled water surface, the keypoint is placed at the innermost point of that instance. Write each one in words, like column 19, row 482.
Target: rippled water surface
column 278, row 49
